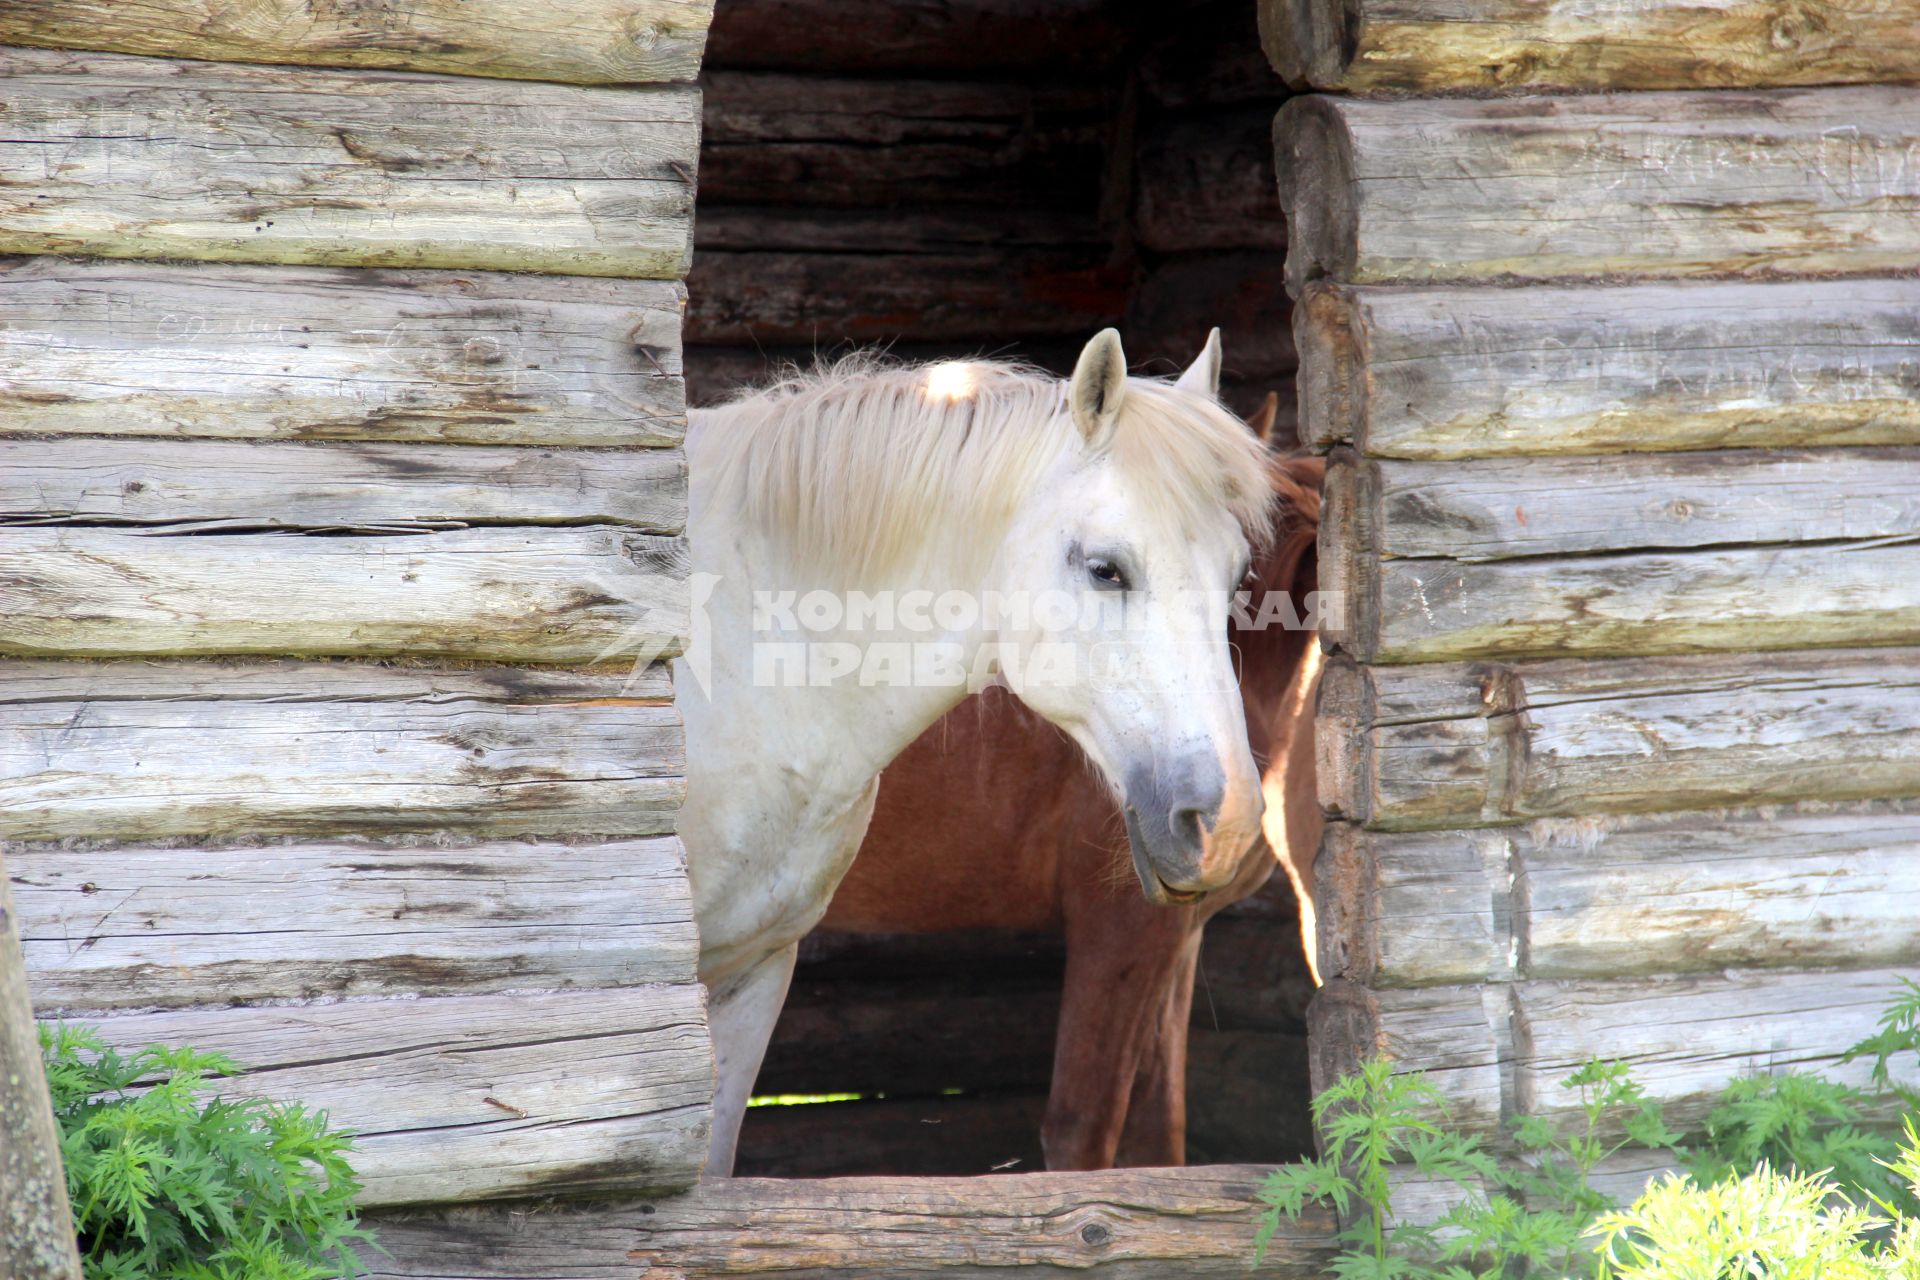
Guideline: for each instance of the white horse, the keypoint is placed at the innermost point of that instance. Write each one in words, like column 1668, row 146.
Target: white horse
column 997, row 484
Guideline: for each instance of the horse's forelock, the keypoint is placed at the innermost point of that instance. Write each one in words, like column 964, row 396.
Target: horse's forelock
column 854, row 462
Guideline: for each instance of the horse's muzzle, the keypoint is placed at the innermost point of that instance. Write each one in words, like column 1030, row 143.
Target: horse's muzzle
column 1169, row 819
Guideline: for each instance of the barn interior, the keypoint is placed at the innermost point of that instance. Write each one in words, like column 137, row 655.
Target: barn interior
column 1001, row 177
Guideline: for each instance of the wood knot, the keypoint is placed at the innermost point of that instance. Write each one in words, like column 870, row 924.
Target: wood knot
column 1095, row 1234
column 1680, row 509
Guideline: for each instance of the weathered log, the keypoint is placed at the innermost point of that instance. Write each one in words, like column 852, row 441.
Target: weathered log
column 774, row 139
column 472, row 1097
column 506, row 595
column 1488, row 744
column 1407, row 46
column 1448, row 373
column 36, row 1221
column 1621, row 897
column 1540, row 557
column 950, row 1136
column 938, row 230
column 1764, row 184
column 148, row 349
column 335, row 487
column 130, row 750
column 1137, row 1224
column 586, row 41
column 744, row 299
column 1247, row 1094
column 1500, row 1051
column 129, row 157
column 164, row 927
column 1242, row 293
column 1060, row 38
column 1206, row 182
column 1503, row 508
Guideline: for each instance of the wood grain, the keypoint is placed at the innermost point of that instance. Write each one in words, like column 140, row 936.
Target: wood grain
column 129, row 157
column 863, row 143
column 152, row 349
column 508, row 595
column 1446, row 373
column 335, row 487
column 1409, row 46
column 167, row 927
column 1060, row 38
column 136, row 751
column 1501, row 1050
column 584, row 41
column 1205, row 181
column 1622, row 897
column 1764, row 184
column 482, row 1096
column 1137, row 1224
column 1672, row 553
column 1491, row 744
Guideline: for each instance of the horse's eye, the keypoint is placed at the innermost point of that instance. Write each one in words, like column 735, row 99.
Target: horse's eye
column 1106, row 573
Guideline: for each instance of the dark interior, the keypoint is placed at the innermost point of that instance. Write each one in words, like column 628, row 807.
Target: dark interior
column 998, row 177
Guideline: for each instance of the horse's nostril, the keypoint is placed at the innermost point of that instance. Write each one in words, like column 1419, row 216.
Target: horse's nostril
column 1189, row 826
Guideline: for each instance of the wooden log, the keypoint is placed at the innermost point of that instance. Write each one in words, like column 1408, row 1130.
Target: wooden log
column 126, row 157
column 979, row 298
column 583, row 41
column 550, row 595
column 1585, row 898
column 1135, row 1224
column 1446, row 373
column 1764, row 184
column 130, row 750
column 867, row 144
column 1406, row 46
column 36, row 1221
column 335, row 487
column 149, row 349
column 919, row 1137
column 940, row 230
column 1503, row 508
column 1062, row 38
column 166, row 927
column 1247, row 1094
column 482, row 1096
column 1750, row 551
column 1487, row 744
column 1206, row 182
column 1243, row 293
column 1500, row 1051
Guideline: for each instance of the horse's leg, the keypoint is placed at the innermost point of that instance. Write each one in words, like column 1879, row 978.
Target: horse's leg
column 1156, row 1129
column 1119, row 956
column 741, row 1015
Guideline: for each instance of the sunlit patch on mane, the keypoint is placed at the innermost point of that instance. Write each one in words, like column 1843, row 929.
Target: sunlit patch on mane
column 856, row 461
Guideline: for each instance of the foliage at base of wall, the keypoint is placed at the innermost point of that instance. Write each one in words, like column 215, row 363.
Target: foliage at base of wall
column 171, row 1182
column 1784, row 1165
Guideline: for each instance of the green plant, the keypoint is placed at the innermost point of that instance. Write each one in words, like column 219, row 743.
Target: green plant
column 1765, row 1223
column 166, row 1186
column 1369, row 1122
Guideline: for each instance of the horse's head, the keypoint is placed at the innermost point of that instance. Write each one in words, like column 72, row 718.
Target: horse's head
column 1148, row 521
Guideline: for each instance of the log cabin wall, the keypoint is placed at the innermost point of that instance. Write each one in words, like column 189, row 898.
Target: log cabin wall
column 953, row 179
column 1620, row 394
column 340, row 483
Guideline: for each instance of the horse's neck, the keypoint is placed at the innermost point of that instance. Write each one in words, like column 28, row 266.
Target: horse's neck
column 781, row 776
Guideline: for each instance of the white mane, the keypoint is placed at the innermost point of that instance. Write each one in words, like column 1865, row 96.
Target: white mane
column 859, row 463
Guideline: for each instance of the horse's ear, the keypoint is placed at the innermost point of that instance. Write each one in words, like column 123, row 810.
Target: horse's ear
column 1203, row 375
column 1262, row 420
column 1099, row 385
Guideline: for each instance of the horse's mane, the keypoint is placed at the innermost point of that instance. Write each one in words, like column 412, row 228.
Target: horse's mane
column 855, row 461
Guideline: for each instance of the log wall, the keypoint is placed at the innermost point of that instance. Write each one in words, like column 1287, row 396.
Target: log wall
column 1619, row 730
column 337, row 497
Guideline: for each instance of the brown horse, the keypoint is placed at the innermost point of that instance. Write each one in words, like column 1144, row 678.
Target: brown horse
column 992, row 820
